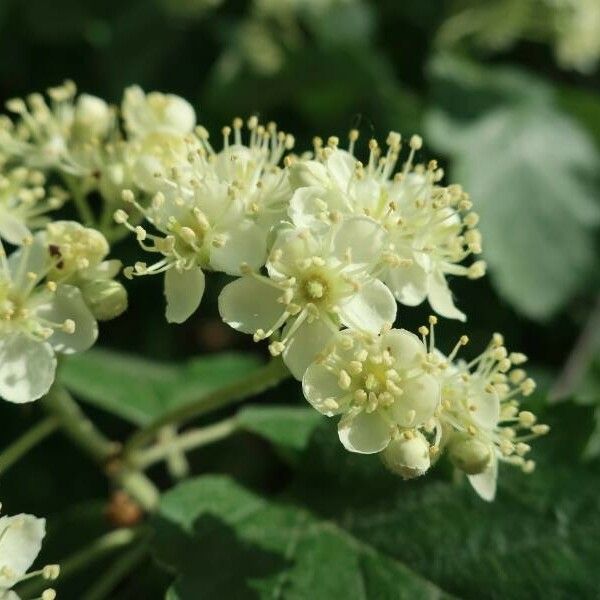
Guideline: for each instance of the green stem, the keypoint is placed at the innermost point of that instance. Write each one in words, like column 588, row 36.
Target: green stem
column 184, row 442
column 259, row 381
column 31, row 438
column 86, row 435
column 77, row 426
column 97, row 550
column 115, row 574
column 79, row 199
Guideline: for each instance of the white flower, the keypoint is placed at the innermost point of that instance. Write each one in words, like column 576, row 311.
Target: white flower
column 38, row 317
column 315, row 285
column 58, row 135
column 426, row 235
column 146, row 114
column 24, row 204
column 381, row 388
column 79, row 254
column 20, row 542
column 481, row 417
column 214, row 210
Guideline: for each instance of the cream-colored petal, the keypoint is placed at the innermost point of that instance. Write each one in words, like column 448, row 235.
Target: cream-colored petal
column 244, row 244
column 364, row 433
column 302, row 348
column 27, row 368
column 370, row 308
column 359, row 238
column 440, row 297
column 320, row 387
column 485, row 483
column 183, row 291
column 20, row 542
column 248, row 304
column 405, row 347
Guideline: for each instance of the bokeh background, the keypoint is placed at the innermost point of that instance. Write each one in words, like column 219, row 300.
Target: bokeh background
column 506, row 94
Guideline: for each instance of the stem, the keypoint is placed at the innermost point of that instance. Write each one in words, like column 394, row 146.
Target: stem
column 117, row 571
column 79, row 199
column 31, row 438
column 86, row 435
column 260, row 380
column 77, row 426
column 79, row 560
column 185, row 442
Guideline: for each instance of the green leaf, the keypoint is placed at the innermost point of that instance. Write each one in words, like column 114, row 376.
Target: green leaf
column 537, row 540
column 530, row 172
column 287, row 427
column 223, row 541
column 141, row 390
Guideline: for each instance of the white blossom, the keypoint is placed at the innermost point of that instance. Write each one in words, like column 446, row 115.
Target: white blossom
column 381, row 388
column 427, row 234
column 24, row 203
column 314, row 285
column 213, row 211
column 20, row 542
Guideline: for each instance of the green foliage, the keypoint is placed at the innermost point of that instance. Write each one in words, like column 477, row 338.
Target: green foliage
column 530, row 171
column 227, row 542
column 140, row 390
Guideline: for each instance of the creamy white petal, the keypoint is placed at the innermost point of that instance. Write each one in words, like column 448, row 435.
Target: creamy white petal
column 245, row 244
column 440, row 297
column 12, row 229
column 409, row 284
column 486, row 409
column 305, row 207
column 319, row 385
column 248, row 304
column 485, row 483
column 420, row 398
column 307, row 173
column 183, row 291
column 308, row 340
column 404, row 346
column 370, row 308
column 341, row 165
column 20, row 542
column 361, row 238
column 364, row 433
column 27, row 368
column 67, row 303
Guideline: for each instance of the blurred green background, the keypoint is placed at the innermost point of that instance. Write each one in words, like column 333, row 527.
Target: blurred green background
column 506, row 93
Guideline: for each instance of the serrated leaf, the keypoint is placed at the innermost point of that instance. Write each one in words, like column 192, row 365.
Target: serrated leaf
column 141, row 390
column 530, row 172
column 538, row 539
column 223, row 541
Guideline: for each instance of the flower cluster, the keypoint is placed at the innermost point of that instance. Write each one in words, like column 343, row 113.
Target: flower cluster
column 20, row 542
column 322, row 246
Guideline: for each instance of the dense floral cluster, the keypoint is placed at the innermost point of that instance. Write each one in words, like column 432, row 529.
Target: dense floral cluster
column 322, row 247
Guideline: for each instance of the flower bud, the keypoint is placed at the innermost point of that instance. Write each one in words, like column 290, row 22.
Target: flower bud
column 92, row 116
column 469, row 454
column 106, row 298
column 408, row 458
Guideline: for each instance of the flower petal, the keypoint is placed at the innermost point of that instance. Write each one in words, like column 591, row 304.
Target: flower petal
column 362, row 237
column 420, row 398
column 320, row 384
column 67, row 303
column 246, row 244
column 404, row 346
column 408, row 283
column 485, row 483
column 372, row 307
column 302, row 348
column 27, row 368
column 248, row 304
column 12, row 229
column 364, row 433
column 486, row 409
column 183, row 291
column 341, row 165
column 21, row 537
column 440, row 297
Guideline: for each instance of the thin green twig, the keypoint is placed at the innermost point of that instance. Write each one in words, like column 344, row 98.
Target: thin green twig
column 31, row 438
